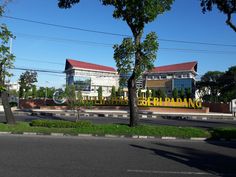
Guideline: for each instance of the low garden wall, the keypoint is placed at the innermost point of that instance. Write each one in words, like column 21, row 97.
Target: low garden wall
column 217, row 107
column 49, row 104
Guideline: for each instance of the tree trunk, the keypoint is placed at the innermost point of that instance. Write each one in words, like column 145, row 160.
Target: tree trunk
column 133, row 106
column 7, row 109
column 133, row 101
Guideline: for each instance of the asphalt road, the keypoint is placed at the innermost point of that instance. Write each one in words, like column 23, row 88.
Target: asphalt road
column 158, row 121
column 34, row 156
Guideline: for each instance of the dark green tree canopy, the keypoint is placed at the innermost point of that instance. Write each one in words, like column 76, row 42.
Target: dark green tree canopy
column 228, row 7
column 210, row 80
column 137, row 13
column 124, row 55
column 228, row 85
column 6, row 62
column 27, row 79
column 67, row 3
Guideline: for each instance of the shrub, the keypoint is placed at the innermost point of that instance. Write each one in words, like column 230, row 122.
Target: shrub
column 227, row 133
column 60, row 124
column 13, row 104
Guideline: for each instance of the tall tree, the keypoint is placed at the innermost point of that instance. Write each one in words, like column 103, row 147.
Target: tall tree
column 148, row 93
column 210, row 82
column 100, row 93
column 175, row 93
column 113, row 92
column 228, row 7
column 120, row 92
column 27, row 80
column 6, row 62
column 133, row 54
column 34, row 91
column 182, row 93
column 228, row 85
column 71, row 96
column 188, row 93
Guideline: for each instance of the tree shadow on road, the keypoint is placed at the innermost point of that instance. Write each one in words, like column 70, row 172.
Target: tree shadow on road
column 204, row 160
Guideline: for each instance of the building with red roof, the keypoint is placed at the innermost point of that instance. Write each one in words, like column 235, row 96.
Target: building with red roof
column 167, row 78
column 89, row 77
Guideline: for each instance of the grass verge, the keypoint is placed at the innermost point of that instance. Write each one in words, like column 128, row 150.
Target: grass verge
column 223, row 133
column 49, row 126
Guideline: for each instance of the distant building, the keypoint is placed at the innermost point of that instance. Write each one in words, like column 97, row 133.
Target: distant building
column 89, row 77
column 12, row 86
column 167, row 78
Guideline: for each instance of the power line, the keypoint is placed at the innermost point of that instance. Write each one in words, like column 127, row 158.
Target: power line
column 200, row 50
column 54, row 39
column 199, row 43
column 38, row 70
column 113, row 34
column 39, row 61
column 65, row 27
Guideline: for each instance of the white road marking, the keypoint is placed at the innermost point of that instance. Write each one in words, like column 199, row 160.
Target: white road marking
column 169, row 172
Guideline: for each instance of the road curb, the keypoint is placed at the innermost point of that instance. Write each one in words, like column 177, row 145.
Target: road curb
column 112, row 136
column 143, row 115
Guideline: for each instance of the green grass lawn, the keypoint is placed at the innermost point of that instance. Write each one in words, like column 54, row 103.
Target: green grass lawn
column 73, row 128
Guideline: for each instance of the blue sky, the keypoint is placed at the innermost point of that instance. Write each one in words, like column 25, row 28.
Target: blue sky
column 38, row 47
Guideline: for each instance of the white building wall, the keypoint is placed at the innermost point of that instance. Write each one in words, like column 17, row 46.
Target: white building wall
column 98, row 78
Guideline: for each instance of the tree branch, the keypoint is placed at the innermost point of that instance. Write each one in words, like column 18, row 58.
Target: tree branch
column 228, row 22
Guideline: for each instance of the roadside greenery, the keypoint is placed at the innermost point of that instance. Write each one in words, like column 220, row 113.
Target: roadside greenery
column 224, row 133
column 216, row 86
column 85, row 127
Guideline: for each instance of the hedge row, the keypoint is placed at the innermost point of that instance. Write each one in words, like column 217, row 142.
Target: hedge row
column 60, row 124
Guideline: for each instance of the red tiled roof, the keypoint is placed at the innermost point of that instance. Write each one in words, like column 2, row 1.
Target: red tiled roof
column 189, row 66
column 85, row 65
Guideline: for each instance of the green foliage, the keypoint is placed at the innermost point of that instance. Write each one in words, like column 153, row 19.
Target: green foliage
column 228, row 85
column 182, row 93
column 226, row 133
column 188, row 93
column 34, row 91
column 6, row 58
column 124, row 55
column 160, row 93
column 27, row 80
column 67, row 3
column 6, row 63
column 228, row 7
column 134, row 56
column 41, row 92
column 218, row 86
column 21, row 92
column 148, row 93
column 210, row 82
column 175, row 93
column 138, row 12
column 79, row 95
column 120, row 92
column 113, row 92
column 88, row 127
column 60, row 124
column 13, row 104
column 100, row 92
column 71, row 96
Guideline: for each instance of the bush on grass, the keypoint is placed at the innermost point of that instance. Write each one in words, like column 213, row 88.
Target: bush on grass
column 226, row 133
column 60, row 124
